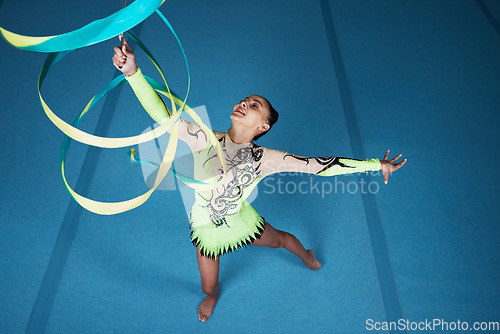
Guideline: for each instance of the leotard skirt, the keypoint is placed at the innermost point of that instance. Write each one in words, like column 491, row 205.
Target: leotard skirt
column 227, row 234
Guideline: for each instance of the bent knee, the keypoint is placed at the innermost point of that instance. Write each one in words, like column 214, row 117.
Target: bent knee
column 280, row 241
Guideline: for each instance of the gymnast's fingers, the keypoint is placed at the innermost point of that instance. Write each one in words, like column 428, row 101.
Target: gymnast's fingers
column 118, row 61
column 119, row 58
column 127, row 51
column 119, row 68
column 399, row 165
column 395, row 158
column 118, row 51
column 118, row 65
column 386, row 155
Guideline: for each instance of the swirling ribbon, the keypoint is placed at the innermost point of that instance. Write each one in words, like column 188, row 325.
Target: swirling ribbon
column 98, row 31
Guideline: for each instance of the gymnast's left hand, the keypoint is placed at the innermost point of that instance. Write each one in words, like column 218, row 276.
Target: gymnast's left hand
column 387, row 167
column 124, row 59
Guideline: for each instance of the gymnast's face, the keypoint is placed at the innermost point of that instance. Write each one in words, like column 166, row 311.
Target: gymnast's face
column 252, row 113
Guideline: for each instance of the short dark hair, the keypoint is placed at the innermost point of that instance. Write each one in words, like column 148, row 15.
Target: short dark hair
column 271, row 119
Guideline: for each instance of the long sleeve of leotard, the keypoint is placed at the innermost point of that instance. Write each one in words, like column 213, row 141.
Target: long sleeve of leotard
column 189, row 132
column 275, row 161
column 148, row 97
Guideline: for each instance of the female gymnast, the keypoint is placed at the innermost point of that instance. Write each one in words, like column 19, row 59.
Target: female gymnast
column 221, row 220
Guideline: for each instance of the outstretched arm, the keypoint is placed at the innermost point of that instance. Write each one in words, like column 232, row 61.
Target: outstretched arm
column 275, row 161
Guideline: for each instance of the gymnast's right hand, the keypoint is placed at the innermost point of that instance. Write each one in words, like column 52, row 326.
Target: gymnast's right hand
column 124, row 59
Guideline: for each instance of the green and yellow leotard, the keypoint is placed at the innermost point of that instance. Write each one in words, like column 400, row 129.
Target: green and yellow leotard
column 221, row 219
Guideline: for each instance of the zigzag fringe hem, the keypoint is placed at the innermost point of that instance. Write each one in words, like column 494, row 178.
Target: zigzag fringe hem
column 227, row 246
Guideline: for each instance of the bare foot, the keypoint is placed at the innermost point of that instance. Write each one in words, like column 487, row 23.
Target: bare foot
column 207, row 306
column 312, row 263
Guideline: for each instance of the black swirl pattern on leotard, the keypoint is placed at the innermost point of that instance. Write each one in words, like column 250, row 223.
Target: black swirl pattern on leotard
column 257, row 153
column 241, row 171
column 327, row 162
column 195, row 134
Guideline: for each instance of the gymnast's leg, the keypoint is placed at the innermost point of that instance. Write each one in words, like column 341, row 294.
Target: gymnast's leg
column 274, row 238
column 209, row 272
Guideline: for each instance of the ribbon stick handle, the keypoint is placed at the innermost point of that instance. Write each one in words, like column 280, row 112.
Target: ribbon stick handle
column 121, row 36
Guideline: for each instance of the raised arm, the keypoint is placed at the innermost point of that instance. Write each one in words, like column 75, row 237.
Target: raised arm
column 148, row 97
column 124, row 61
